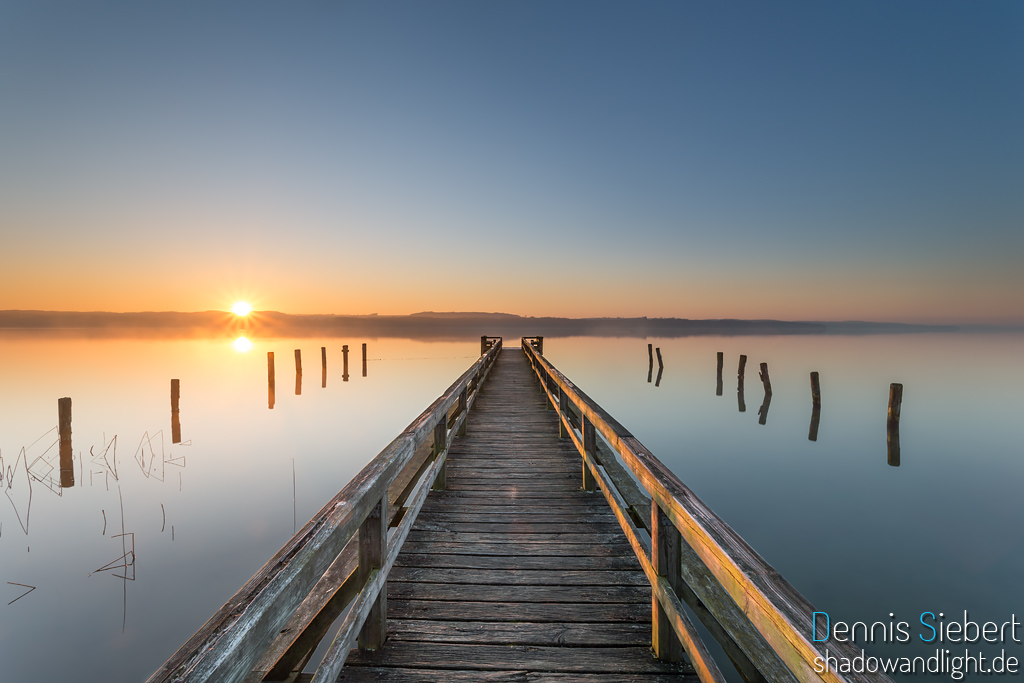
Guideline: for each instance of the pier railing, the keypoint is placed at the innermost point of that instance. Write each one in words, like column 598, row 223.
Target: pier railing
column 337, row 565
column 691, row 556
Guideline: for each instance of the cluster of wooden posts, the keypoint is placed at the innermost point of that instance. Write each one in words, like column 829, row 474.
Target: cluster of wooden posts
column 336, row 566
column 892, row 422
column 690, row 556
column 271, row 374
column 65, row 449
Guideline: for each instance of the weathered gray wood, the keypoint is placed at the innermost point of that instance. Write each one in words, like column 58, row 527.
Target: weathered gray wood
column 65, row 451
column 518, row 577
column 665, row 542
column 513, row 562
column 175, row 411
column 400, row 675
column 228, row 646
column 520, row 633
column 603, row 612
column 373, row 549
column 271, row 389
column 498, row 657
column 440, row 447
column 498, row 548
column 769, row 603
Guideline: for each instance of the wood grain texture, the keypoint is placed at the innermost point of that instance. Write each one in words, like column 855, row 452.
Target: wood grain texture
column 514, row 572
column 777, row 611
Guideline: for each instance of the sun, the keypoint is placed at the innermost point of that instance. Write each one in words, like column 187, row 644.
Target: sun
column 241, row 308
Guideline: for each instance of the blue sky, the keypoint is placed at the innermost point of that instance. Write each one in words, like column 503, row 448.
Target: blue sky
column 786, row 160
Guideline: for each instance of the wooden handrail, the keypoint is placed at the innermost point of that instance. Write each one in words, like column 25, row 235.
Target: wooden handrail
column 233, row 641
column 763, row 616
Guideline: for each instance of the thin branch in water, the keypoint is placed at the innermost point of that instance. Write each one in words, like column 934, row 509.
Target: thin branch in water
column 23, row 585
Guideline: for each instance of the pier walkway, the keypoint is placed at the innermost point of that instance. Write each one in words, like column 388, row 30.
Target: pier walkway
column 513, row 532
column 514, row 571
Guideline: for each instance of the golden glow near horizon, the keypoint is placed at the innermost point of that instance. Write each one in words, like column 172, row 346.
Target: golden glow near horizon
column 242, row 344
column 241, row 308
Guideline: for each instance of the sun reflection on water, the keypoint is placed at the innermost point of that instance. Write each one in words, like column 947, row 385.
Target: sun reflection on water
column 242, row 344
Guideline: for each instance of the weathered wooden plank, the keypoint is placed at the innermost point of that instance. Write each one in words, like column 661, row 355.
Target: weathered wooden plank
column 518, row 593
column 530, row 657
column 779, row 613
column 520, row 633
column 596, row 536
column 519, row 577
column 602, row 613
column 366, row 674
column 551, row 562
column 512, row 549
column 523, row 526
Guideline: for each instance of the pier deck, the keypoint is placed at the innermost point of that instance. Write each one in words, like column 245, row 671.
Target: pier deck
column 514, row 573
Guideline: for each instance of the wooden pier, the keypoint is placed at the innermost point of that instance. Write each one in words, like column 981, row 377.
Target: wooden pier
column 513, row 532
column 514, row 571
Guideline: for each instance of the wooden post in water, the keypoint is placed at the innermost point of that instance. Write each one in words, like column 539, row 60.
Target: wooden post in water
column 590, row 448
column 739, row 384
column 175, row 419
column 721, row 363
column 344, row 363
column 666, row 560
column 812, row 433
column 373, row 550
column 270, row 380
column 364, row 359
column 892, row 434
column 323, row 363
column 765, row 379
column 762, row 412
column 650, row 354
column 298, row 372
column 67, row 463
column 440, row 445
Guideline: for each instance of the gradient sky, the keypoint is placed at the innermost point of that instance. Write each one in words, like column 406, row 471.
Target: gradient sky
column 799, row 160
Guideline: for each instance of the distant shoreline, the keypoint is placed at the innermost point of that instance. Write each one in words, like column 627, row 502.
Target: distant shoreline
column 435, row 326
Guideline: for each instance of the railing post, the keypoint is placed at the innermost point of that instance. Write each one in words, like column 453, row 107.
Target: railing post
column 540, row 345
column 483, row 344
column 666, row 559
column 463, row 402
column 440, row 445
column 563, row 413
column 373, row 550
column 589, row 447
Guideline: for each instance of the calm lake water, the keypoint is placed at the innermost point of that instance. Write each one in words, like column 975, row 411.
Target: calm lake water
column 154, row 536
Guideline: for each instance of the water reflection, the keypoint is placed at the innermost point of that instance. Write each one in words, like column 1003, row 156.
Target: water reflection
column 242, row 344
